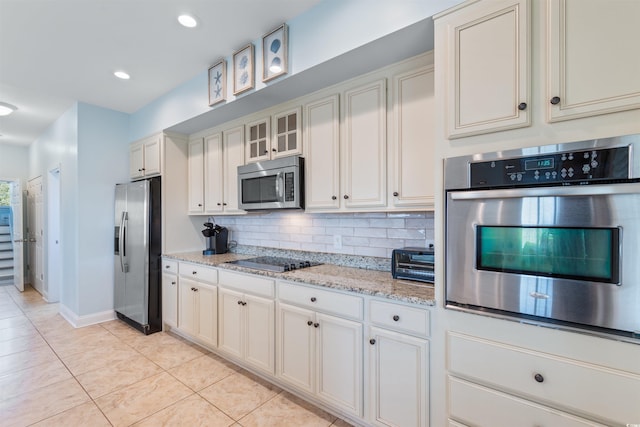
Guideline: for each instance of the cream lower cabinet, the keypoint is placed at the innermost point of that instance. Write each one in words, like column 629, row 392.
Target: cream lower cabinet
column 398, row 365
column 198, row 303
column 246, row 311
column 320, row 353
column 495, row 384
column 170, row 293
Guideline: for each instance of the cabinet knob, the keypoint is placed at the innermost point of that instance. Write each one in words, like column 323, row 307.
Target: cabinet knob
column 522, row 106
column 139, row 170
column 539, row 378
column 265, row 152
column 396, row 318
column 239, row 302
column 167, row 266
column 274, row 150
column 143, row 169
column 372, row 341
column 555, row 100
column 333, row 197
column 395, row 194
column 194, row 272
column 199, row 205
column 193, row 289
column 219, row 204
column 224, row 204
column 244, row 303
column 313, row 299
column 309, row 322
column 315, row 325
column 173, row 283
column 346, row 197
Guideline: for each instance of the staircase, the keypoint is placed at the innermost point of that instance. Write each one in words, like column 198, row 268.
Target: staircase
column 6, row 254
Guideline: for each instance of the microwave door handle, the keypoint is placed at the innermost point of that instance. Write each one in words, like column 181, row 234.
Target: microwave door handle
column 564, row 191
column 280, row 186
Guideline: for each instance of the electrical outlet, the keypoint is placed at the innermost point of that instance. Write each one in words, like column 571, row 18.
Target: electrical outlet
column 337, row 241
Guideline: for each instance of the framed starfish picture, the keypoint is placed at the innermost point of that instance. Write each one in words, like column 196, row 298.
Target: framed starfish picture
column 218, row 82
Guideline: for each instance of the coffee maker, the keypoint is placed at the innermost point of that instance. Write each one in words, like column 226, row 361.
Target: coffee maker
column 217, row 239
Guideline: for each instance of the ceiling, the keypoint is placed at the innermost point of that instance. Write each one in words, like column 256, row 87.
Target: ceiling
column 54, row 53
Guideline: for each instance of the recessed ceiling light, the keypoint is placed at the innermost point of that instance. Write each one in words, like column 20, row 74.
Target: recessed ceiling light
column 122, row 75
column 6, row 109
column 187, row 21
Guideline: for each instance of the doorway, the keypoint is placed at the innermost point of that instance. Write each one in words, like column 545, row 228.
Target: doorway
column 11, row 234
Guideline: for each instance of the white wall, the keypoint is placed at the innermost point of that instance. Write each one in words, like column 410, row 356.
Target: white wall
column 328, row 30
column 57, row 146
column 14, row 162
column 103, row 161
column 89, row 144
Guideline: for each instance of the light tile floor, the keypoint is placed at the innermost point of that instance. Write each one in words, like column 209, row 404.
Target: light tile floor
column 111, row 375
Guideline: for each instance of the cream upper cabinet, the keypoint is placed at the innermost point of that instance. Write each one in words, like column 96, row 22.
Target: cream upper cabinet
column 286, row 133
column 233, row 156
column 213, row 172
column 488, row 67
column 258, row 143
column 412, row 183
column 145, row 157
column 364, row 146
column 278, row 135
column 593, row 58
column 196, row 176
column 322, row 153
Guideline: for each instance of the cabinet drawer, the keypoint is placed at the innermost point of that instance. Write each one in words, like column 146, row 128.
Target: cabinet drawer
column 248, row 283
column 401, row 318
column 476, row 405
column 197, row 272
column 169, row 266
column 590, row 390
column 321, row 300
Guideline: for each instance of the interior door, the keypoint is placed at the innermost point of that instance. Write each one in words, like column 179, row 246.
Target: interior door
column 17, row 235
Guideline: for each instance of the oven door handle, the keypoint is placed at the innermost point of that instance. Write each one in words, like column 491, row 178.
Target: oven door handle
column 564, row 191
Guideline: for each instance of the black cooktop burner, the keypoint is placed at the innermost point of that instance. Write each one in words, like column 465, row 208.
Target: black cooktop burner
column 277, row 264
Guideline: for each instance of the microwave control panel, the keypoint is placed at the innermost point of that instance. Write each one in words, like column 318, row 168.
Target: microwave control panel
column 567, row 168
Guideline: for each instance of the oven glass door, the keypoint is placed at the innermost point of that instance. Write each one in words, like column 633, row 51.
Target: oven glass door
column 573, row 253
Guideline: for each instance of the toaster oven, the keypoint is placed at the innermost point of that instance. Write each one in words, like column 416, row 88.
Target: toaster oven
column 413, row 263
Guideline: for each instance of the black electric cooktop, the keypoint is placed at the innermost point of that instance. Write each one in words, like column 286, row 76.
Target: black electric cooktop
column 276, row 264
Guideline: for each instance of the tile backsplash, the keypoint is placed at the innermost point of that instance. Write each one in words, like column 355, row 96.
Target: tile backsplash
column 366, row 234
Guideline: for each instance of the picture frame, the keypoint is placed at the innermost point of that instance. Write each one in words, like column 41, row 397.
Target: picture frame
column 218, row 82
column 243, row 69
column 275, row 48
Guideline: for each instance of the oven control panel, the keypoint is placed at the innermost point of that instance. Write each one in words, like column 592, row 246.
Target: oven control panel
column 578, row 167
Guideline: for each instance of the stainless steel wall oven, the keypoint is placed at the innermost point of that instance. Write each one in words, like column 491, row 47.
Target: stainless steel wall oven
column 549, row 233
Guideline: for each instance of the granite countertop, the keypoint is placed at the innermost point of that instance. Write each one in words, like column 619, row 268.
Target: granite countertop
column 362, row 281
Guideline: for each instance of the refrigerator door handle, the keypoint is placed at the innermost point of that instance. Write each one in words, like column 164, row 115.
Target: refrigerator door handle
column 121, row 238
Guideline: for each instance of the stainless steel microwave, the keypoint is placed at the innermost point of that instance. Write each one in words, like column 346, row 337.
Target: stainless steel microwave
column 272, row 184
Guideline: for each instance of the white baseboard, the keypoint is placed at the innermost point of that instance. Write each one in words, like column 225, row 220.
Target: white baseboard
column 90, row 319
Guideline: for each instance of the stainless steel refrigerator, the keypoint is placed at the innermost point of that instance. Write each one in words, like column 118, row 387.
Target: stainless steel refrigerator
column 138, row 251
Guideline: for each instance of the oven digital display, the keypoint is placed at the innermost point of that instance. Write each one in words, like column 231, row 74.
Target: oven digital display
column 537, row 164
column 574, row 253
